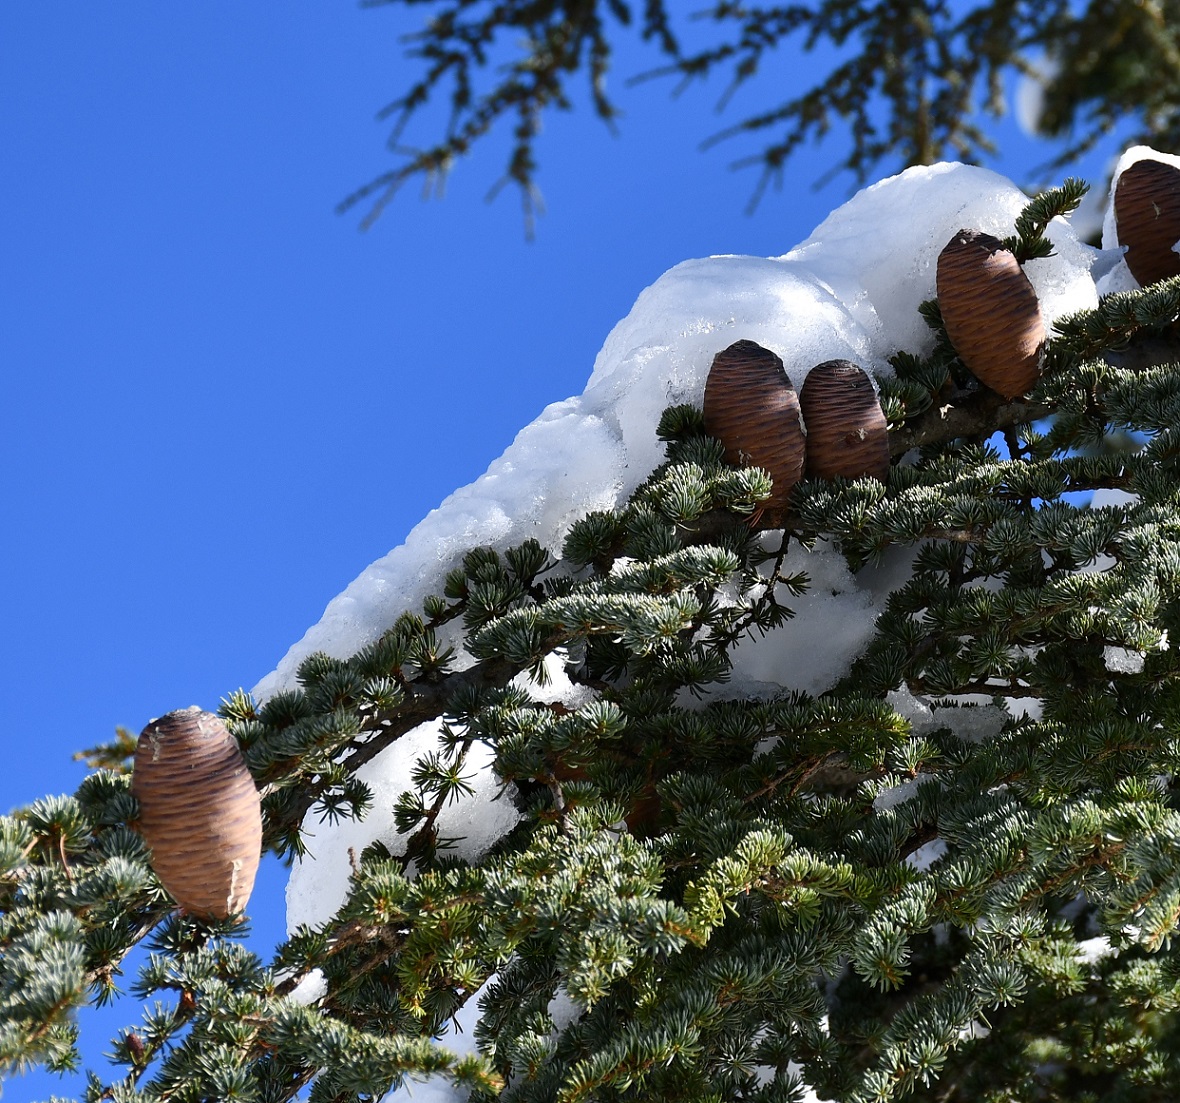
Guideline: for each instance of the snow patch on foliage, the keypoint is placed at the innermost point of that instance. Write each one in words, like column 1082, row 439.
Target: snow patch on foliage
column 926, row 855
column 319, row 881
column 1094, row 950
column 970, row 721
column 311, row 988
column 836, row 617
column 888, row 799
column 555, row 687
column 460, row 1040
column 1122, row 660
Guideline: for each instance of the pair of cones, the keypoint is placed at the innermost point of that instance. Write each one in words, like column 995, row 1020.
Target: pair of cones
column 753, row 409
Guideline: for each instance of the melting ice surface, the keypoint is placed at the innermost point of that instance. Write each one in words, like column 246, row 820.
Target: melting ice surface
column 851, row 290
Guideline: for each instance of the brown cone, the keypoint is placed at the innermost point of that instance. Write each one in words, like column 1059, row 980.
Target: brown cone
column 751, row 407
column 1147, row 219
column 847, row 435
column 991, row 313
column 199, row 812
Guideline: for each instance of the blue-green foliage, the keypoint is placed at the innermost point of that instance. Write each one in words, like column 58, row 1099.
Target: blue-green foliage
column 720, row 900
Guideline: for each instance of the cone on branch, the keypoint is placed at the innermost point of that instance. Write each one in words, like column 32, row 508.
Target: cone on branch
column 199, row 812
column 753, row 409
column 991, row 313
column 847, row 435
column 1147, row 219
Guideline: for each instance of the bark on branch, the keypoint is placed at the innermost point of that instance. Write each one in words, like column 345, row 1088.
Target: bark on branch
column 977, row 413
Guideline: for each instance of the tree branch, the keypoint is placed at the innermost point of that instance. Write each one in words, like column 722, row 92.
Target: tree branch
column 976, row 413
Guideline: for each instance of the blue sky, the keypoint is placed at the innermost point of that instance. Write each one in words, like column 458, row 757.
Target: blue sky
column 223, row 401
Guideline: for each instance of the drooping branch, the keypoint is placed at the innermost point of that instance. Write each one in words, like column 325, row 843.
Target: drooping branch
column 910, row 83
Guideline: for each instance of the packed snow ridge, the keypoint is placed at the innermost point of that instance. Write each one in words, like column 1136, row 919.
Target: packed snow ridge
column 850, row 291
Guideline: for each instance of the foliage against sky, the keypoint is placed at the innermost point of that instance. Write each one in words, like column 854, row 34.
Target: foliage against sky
column 909, row 81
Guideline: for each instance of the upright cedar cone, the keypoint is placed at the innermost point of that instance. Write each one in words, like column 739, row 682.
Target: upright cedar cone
column 1147, row 219
column 991, row 313
column 847, row 435
column 199, row 812
column 752, row 408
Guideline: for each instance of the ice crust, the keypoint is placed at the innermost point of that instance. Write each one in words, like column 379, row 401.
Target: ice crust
column 851, row 290
column 1121, row 660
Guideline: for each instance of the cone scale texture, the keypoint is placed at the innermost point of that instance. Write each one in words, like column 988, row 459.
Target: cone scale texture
column 199, row 812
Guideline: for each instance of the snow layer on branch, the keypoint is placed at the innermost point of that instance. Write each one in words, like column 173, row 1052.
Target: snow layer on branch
column 851, row 290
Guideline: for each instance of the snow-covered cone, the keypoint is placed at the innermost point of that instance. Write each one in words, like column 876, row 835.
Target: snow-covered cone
column 847, row 435
column 199, row 812
column 1147, row 219
column 752, row 408
column 991, row 312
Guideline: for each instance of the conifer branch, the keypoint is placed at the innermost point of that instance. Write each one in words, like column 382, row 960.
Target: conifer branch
column 974, row 414
column 727, row 889
column 425, row 700
column 907, row 82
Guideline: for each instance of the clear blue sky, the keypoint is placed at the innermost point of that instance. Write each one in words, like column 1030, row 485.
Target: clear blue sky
column 222, row 400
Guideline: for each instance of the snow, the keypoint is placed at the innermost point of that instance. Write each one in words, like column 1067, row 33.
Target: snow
column 1029, row 101
column 835, row 616
column 562, row 1009
column 926, row 855
column 1093, row 950
column 808, row 1095
column 556, row 688
column 319, row 882
column 1107, row 496
column 311, row 988
column 889, row 798
column 460, row 1040
column 915, row 709
column 971, row 720
column 1122, row 660
column 851, row 290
